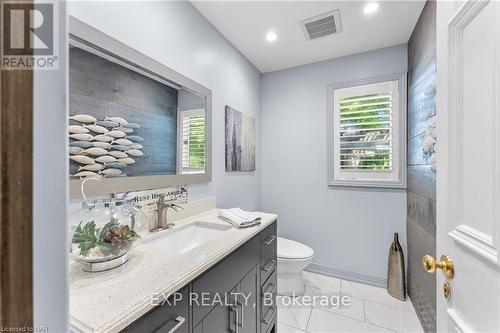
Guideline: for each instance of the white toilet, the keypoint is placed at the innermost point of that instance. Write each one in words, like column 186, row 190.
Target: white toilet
column 293, row 257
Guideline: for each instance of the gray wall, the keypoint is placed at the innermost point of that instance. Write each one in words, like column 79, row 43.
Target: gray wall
column 175, row 34
column 421, row 219
column 348, row 228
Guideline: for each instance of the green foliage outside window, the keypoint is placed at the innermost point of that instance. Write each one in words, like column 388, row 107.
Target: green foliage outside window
column 197, row 142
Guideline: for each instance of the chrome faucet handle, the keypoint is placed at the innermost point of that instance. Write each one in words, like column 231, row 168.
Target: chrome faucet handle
column 161, row 222
column 175, row 206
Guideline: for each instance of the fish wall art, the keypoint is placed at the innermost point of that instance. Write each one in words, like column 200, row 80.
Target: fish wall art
column 103, row 147
column 118, row 109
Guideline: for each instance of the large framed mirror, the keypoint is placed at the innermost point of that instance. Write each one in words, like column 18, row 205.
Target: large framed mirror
column 134, row 121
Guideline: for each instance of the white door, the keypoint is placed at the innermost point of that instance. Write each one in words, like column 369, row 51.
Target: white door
column 468, row 179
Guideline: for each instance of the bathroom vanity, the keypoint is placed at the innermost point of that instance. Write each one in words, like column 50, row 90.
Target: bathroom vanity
column 251, row 269
column 203, row 285
column 144, row 126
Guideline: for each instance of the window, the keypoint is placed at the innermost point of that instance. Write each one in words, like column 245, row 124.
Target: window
column 192, row 150
column 367, row 133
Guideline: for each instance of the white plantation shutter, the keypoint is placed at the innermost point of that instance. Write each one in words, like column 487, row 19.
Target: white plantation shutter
column 367, row 135
column 366, row 132
column 193, row 149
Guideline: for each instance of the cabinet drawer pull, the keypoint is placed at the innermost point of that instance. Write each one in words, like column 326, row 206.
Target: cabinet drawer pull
column 269, row 265
column 268, row 316
column 234, row 309
column 270, row 289
column 269, row 240
column 242, row 319
column 178, row 322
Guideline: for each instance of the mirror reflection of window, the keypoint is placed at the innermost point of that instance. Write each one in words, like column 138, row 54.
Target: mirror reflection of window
column 193, row 154
column 191, row 158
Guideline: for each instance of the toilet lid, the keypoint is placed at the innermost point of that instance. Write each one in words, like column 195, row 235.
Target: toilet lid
column 289, row 249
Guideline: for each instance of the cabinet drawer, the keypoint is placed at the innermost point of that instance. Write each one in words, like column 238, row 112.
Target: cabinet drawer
column 268, row 319
column 267, row 266
column 268, row 240
column 268, row 294
column 170, row 317
column 270, row 286
column 223, row 277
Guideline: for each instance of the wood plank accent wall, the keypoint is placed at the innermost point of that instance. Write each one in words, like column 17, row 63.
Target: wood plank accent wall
column 421, row 190
column 16, row 150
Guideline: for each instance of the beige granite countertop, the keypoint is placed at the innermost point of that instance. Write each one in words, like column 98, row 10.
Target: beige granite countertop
column 110, row 301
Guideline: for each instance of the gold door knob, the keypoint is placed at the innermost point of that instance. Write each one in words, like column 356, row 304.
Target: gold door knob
column 445, row 264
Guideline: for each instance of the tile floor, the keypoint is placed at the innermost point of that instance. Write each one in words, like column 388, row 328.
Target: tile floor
column 371, row 309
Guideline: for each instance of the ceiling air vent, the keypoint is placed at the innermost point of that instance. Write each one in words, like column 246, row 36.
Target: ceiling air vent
column 321, row 25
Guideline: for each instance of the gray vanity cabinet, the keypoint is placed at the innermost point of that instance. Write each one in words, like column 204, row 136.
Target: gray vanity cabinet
column 172, row 316
column 227, row 298
column 248, row 303
column 237, row 313
column 268, row 279
column 222, row 318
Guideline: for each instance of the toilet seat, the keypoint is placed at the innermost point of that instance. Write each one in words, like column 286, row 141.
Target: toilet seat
column 289, row 249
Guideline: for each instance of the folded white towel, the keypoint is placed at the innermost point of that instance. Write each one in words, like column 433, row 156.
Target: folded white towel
column 239, row 218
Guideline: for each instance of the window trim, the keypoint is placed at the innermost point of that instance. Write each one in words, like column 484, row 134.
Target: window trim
column 402, row 137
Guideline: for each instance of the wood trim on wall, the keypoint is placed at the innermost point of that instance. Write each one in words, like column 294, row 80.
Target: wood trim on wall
column 16, row 198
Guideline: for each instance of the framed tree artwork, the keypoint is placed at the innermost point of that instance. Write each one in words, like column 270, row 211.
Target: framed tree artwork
column 240, row 141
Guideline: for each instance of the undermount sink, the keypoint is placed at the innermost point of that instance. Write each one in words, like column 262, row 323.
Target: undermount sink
column 185, row 238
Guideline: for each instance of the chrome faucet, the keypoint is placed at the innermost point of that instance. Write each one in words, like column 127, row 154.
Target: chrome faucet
column 161, row 222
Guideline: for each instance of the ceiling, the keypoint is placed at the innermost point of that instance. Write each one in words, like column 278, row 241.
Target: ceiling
column 246, row 23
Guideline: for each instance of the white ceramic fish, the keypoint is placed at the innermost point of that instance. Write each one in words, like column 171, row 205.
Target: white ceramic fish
column 102, row 138
column 81, row 144
column 107, row 123
column 117, row 154
column 97, row 129
column 116, row 165
column 81, row 136
column 82, row 159
column 125, row 129
column 127, row 160
column 95, row 151
column 132, row 125
column 118, row 120
column 105, row 159
column 135, row 138
column 135, row 152
column 103, row 145
column 122, row 141
column 77, row 129
column 85, row 174
column 75, row 150
column 110, row 172
column 116, row 134
column 83, row 118
column 92, row 167
column 136, row 146
column 120, row 147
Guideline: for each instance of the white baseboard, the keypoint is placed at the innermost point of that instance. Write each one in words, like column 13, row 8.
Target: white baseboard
column 343, row 274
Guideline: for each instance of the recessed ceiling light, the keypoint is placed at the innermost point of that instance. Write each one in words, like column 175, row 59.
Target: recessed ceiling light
column 371, row 7
column 271, row 36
